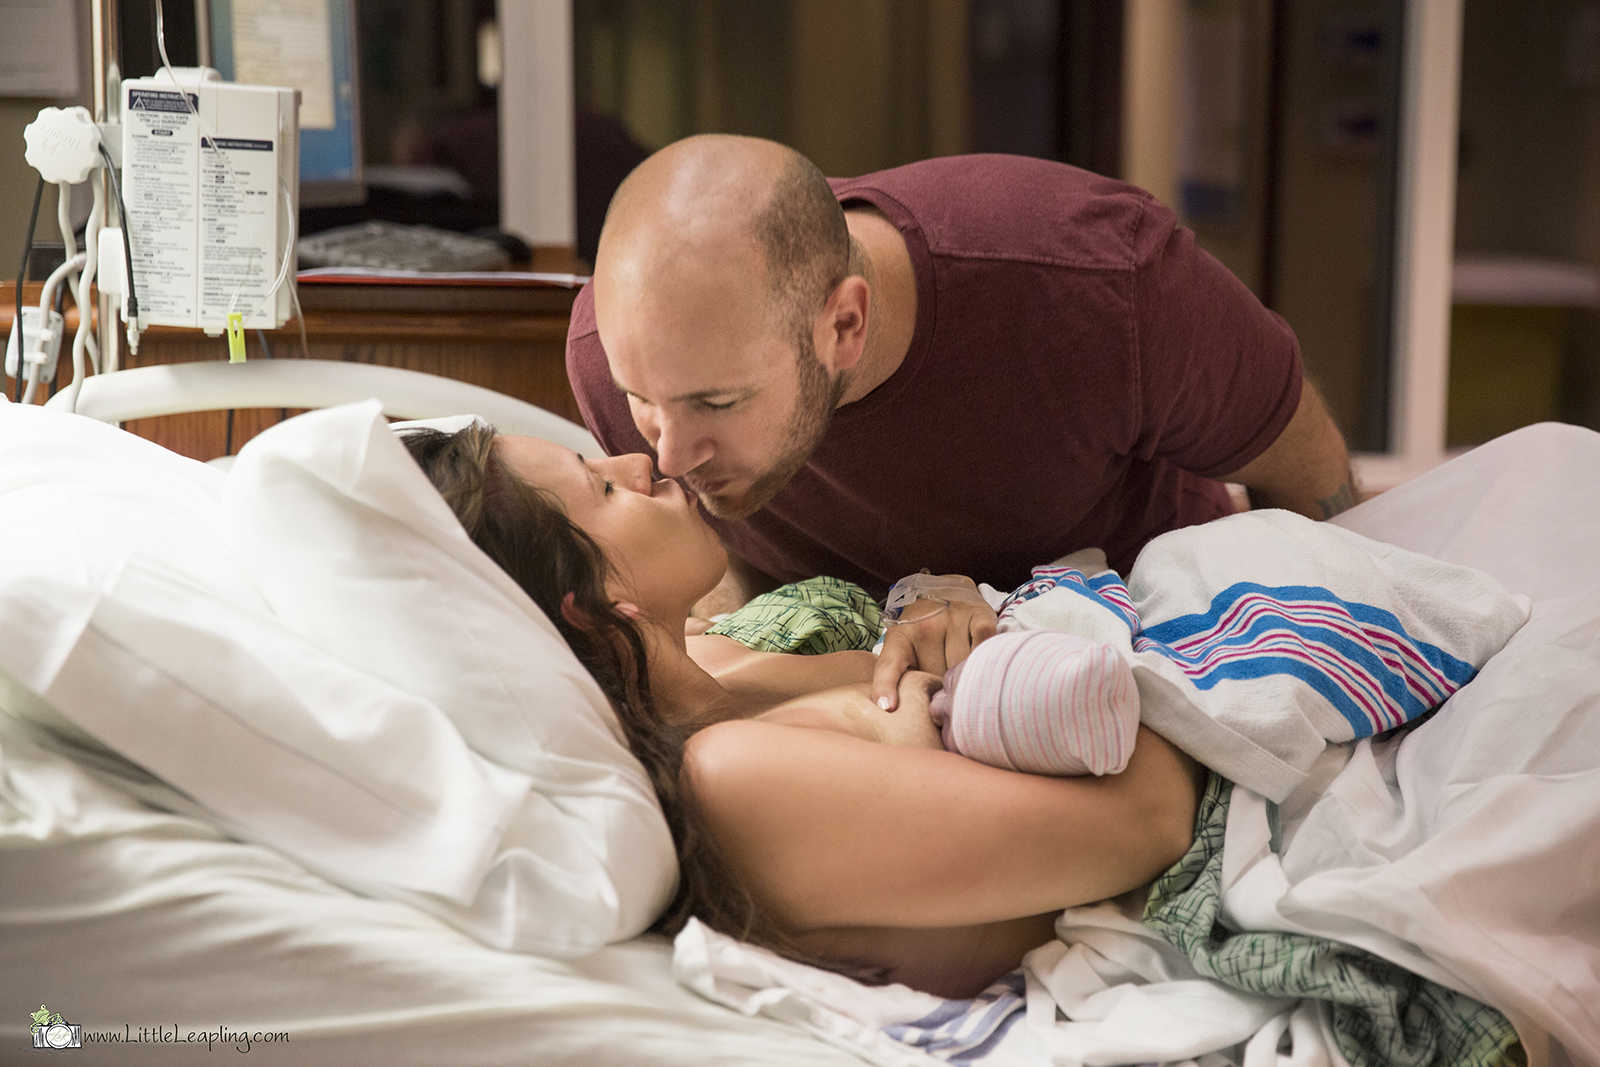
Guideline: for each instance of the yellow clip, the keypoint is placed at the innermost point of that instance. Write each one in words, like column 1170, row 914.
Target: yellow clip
column 235, row 337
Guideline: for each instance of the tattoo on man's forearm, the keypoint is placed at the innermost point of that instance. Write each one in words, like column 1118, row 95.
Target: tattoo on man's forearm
column 1343, row 500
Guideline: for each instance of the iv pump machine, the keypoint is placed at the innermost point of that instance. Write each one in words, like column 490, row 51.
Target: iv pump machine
column 210, row 175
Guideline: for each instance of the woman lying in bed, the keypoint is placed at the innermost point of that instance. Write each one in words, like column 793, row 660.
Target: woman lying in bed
column 805, row 818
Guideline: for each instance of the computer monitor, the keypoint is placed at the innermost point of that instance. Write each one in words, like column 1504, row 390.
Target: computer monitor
column 310, row 47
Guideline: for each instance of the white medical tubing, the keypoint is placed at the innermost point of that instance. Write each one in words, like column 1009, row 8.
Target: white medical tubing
column 161, row 41
column 70, row 242
column 47, row 294
column 64, row 217
column 80, row 341
column 288, row 258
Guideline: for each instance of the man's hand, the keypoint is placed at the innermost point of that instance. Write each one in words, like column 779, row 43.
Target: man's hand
column 931, row 636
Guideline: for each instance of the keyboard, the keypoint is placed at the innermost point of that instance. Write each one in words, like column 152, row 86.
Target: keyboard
column 399, row 246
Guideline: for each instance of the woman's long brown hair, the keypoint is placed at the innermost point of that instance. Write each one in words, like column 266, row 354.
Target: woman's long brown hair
column 528, row 535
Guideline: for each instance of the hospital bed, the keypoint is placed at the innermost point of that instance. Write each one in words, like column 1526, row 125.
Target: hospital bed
column 216, row 819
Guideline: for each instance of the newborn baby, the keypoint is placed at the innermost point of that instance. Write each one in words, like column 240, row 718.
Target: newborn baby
column 1252, row 643
column 1043, row 702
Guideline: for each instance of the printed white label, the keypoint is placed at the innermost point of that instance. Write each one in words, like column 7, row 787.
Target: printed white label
column 160, row 141
column 238, row 215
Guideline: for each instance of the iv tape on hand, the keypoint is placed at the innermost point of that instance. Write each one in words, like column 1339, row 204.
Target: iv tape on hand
column 925, row 586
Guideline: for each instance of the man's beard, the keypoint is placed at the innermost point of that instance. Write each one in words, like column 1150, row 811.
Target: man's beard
column 816, row 396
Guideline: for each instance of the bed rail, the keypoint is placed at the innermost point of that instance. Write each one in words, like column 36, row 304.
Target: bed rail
column 176, row 388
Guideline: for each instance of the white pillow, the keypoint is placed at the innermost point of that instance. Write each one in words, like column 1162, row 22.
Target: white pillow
column 311, row 648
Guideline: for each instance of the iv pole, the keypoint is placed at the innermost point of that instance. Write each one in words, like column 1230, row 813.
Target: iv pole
column 106, row 45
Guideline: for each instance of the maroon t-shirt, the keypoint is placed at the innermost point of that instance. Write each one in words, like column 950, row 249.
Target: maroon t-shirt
column 1079, row 373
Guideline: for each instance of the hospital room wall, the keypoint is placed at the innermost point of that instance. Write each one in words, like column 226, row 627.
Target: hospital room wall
column 17, row 178
column 1311, row 244
column 1225, row 119
column 791, row 70
column 1157, row 101
column 1527, row 223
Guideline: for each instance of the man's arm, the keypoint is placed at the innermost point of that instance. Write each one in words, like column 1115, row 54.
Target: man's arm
column 738, row 585
column 1307, row 469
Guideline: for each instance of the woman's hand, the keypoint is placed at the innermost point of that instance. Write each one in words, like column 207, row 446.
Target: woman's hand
column 931, row 636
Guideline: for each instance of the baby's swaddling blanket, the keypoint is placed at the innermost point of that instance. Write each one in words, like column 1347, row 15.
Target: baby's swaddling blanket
column 1259, row 639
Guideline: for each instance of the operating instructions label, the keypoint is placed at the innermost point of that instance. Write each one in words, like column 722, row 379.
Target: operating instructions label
column 238, row 210
column 160, row 148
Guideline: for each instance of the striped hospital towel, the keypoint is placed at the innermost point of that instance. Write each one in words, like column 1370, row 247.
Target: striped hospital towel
column 1258, row 640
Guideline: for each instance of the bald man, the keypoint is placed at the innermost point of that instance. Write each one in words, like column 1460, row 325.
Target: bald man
column 972, row 365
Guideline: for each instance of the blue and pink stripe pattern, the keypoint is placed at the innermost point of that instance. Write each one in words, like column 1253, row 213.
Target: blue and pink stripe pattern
column 1105, row 589
column 1357, row 657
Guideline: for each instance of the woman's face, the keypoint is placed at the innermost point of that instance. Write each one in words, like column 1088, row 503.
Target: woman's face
column 665, row 555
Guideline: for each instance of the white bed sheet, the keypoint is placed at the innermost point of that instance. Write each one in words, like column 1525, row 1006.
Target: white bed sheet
column 115, row 914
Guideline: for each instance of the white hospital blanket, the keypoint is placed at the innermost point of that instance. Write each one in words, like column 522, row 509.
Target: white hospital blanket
column 1466, row 849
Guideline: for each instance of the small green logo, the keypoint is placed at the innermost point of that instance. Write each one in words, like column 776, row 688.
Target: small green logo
column 45, row 1017
column 50, row 1030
